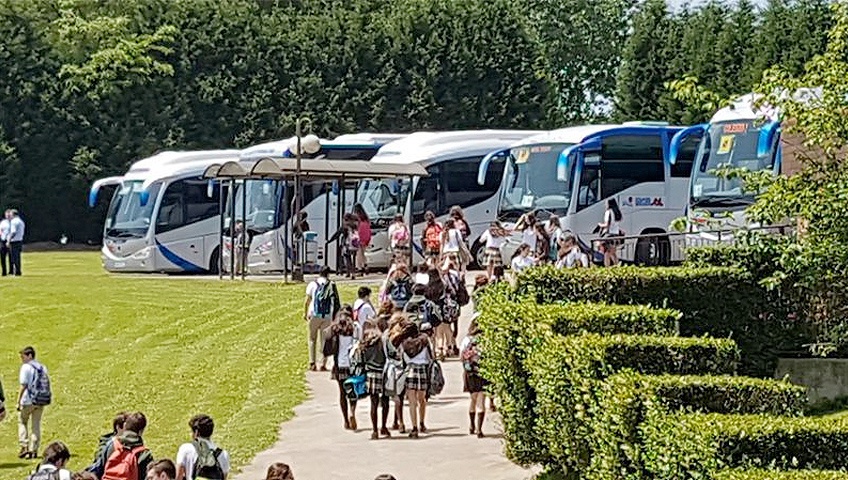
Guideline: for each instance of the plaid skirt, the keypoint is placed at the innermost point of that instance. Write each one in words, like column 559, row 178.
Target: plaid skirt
column 418, row 378
column 340, row 374
column 493, row 257
column 374, row 382
column 473, row 383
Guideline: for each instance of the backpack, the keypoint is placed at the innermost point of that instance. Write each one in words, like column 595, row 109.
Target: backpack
column 326, row 299
column 207, row 464
column 471, row 357
column 437, row 379
column 460, row 291
column 400, row 292
column 423, row 312
column 401, row 236
column 432, row 237
column 353, row 240
column 45, row 475
column 39, row 390
column 122, row 464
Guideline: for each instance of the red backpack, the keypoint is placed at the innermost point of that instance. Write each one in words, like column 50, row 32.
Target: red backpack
column 122, row 464
column 432, row 237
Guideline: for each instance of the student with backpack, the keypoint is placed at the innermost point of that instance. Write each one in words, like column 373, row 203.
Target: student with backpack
column 398, row 286
column 126, row 457
column 431, row 238
column 322, row 303
column 342, row 344
column 35, row 394
column 374, row 352
column 420, row 309
column 400, row 240
column 201, row 458
column 96, row 466
column 458, row 217
column 56, row 457
column 363, row 310
column 473, row 382
column 418, row 357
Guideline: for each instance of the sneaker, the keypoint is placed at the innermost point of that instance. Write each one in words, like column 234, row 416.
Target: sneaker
column 24, row 453
column 413, row 433
column 385, row 432
column 402, row 428
column 422, row 428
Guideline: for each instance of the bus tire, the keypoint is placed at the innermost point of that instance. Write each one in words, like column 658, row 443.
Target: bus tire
column 478, row 256
column 654, row 251
column 213, row 261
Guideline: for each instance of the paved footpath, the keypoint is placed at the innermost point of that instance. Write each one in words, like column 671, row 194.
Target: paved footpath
column 316, row 446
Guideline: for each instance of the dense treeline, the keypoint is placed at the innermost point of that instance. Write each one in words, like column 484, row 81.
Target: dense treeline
column 87, row 86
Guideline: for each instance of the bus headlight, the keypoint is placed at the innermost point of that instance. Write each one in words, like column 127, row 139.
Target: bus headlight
column 142, row 254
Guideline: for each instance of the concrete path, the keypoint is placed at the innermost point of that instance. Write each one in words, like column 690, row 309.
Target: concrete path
column 316, row 446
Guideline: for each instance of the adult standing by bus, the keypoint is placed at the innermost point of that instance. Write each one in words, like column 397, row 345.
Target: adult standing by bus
column 15, row 242
column 364, row 227
column 611, row 231
column 5, row 227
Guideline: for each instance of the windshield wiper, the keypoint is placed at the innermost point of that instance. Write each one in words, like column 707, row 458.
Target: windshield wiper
column 115, row 233
column 722, row 202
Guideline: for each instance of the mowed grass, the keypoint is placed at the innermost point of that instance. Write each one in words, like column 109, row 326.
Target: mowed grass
column 169, row 347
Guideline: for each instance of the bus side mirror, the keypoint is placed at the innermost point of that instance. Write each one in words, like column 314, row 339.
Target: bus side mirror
column 678, row 139
column 563, row 162
column 143, row 197
column 768, row 132
column 591, row 145
column 210, row 189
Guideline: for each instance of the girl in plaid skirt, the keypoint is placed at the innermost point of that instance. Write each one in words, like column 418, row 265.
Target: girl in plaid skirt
column 494, row 238
column 374, row 354
column 417, row 355
column 342, row 336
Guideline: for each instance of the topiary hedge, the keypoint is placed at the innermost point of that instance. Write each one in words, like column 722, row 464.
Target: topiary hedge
column 695, row 446
column 515, row 327
column 719, row 301
column 759, row 474
column 626, row 398
column 565, row 371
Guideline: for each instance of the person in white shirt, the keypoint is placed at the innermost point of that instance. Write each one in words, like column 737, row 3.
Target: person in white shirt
column 33, row 378
column 363, row 310
column 319, row 322
column 451, row 240
column 527, row 226
column 494, row 238
column 611, row 229
column 570, row 255
column 56, row 457
column 202, row 427
column 344, row 333
column 422, row 276
column 5, row 227
column 523, row 258
column 400, row 240
column 15, row 242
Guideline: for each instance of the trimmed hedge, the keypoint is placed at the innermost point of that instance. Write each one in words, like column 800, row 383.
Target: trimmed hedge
column 695, row 446
column 758, row 474
column 515, row 327
column 626, row 398
column 718, row 301
column 565, row 371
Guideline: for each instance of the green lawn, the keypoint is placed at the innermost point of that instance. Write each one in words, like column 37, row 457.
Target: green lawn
column 170, row 347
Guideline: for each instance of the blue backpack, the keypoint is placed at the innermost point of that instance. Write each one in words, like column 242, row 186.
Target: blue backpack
column 326, row 299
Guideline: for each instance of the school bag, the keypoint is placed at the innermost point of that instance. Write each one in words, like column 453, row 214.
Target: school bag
column 353, row 240
column 355, row 387
column 122, row 464
column 45, row 475
column 471, row 357
column 460, row 291
column 437, row 379
column 422, row 312
column 326, row 299
column 207, row 465
column 394, row 375
column 400, row 291
column 432, row 237
column 39, row 389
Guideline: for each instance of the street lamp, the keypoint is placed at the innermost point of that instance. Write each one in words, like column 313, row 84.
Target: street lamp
column 309, row 144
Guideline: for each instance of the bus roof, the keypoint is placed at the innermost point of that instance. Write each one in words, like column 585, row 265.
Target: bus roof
column 746, row 108
column 283, row 148
column 170, row 164
column 427, row 148
column 577, row 134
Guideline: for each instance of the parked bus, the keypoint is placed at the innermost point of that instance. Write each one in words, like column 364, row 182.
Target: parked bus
column 270, row 212
column 452, row 160
column 741, row 135
column 163, row 216
column 572, row 172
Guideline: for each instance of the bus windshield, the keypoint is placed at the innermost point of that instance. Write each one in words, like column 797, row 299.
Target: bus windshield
column 127, row 218
column 730, row 144
column 531, row 183
column 382, row 199
column 263, row 197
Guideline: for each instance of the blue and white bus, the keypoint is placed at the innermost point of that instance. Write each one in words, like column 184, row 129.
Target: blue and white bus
column 572, row 172
column 163, row 216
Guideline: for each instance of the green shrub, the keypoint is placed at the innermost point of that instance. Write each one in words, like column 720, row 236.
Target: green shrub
column 624, row 400
column 565, row 371
column 515, row 327
column 758, row 474
column 718, row 301
column 695, row 446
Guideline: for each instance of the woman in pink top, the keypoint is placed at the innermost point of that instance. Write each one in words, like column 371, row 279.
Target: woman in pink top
column 364, row 237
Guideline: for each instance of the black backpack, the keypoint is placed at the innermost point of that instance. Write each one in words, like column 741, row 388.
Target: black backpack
column 207, row 464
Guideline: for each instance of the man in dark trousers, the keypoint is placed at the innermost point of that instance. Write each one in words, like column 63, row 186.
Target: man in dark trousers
column 15, row 242
column 5, row 227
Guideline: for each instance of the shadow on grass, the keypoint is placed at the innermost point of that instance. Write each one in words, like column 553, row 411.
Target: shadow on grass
column 12, row 465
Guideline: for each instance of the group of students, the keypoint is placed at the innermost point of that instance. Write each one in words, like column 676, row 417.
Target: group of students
column 354, row 237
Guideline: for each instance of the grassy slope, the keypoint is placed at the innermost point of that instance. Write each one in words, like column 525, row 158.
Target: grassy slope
column 170, row 347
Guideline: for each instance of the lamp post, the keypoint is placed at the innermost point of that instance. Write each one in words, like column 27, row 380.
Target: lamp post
column 309, row 144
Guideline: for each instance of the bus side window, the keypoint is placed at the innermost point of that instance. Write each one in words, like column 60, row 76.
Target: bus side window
column 460, row 185
column 171, row 213
column 588, row 193
column 629, row 160
column 682, row 168
column 426, row 196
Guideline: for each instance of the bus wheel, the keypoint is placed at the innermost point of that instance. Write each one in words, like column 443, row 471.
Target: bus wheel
column 478, row 255
column 213, row 261
column 653, row 251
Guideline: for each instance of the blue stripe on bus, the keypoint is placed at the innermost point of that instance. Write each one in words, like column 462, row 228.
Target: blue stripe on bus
column 177, row 260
